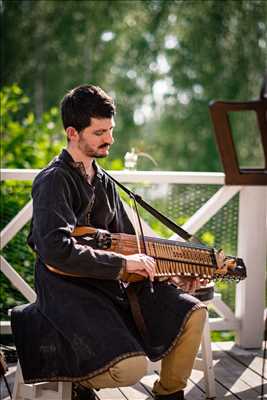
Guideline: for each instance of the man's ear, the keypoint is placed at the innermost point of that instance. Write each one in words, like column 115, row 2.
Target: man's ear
column 72, row 133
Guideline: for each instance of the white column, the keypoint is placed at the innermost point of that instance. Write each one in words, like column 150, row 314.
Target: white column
column 252, row 247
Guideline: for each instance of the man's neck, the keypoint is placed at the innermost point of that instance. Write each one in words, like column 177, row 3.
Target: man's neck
column 80, row 158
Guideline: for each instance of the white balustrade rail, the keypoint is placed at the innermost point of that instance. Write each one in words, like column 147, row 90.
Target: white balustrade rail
column 248, row 319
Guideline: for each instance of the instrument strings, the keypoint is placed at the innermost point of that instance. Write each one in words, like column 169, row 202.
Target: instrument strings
column 142, row 235
column 135, row 226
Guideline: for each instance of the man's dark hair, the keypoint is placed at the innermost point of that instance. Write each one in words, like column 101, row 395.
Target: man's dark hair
column 82, row 103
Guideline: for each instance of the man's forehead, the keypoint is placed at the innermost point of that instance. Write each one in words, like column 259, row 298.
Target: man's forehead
column 102, row 123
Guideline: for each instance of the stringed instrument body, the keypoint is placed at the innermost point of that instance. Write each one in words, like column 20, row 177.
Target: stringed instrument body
column 173, row 258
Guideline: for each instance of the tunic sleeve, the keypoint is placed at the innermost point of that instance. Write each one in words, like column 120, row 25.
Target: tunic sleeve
column 54, row 220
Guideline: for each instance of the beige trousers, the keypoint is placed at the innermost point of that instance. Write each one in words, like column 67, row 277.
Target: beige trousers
column 176, row 366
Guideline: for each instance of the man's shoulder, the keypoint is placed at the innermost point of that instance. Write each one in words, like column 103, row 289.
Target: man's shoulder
column 54, row 170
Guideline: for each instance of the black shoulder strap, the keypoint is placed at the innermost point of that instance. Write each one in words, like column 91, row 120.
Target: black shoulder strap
column 162, row 218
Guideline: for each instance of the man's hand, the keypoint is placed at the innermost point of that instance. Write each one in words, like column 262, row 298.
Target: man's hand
column 141, row 264
column 188, row 284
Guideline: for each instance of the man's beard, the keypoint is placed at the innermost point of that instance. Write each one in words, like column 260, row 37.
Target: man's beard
column 89, row 152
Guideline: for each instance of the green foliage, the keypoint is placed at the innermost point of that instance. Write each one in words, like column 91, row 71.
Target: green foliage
column 222, row 336
column 111, row 164
column 14, row 195
column 163, row 61
column 227, row 290
column 27, row 142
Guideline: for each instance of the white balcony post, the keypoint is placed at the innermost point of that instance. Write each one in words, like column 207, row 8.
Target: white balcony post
column 16, row 280
column 252, row 247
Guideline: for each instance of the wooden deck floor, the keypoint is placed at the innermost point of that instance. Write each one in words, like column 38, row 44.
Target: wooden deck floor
column 237, row 371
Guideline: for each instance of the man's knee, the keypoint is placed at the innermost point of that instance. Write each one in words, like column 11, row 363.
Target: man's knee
column 197, row 319
column 129, row 371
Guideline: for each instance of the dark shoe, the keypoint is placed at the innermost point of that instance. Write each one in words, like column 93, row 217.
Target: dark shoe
column 80, row 392
column 174, row 396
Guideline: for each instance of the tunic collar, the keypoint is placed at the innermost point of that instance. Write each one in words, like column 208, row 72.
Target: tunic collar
column 79, row 166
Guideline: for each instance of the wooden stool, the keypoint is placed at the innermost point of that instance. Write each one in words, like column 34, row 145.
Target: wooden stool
column 205, row 364
column 40, row 391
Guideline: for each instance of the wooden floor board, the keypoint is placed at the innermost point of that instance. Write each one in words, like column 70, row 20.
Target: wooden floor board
column 198, row 381
column 110, row 394
column 148, row 382
column 192, row 392
column 253, row 359
column 237, row 373
column 136, row 392
column 234, row 375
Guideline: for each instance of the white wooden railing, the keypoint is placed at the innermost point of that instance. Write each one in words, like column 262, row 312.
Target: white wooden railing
column 248, row 319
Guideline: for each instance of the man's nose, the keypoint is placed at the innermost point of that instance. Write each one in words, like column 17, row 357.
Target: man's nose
column 109, row 137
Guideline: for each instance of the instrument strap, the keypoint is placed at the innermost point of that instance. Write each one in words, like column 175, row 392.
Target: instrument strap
column 162, row 218
column 136, row 312
column 139, row 319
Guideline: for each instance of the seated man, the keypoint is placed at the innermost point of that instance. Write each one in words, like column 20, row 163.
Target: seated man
column 82, row 327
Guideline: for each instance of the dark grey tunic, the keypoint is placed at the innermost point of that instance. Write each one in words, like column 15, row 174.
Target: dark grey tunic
column 79, row 327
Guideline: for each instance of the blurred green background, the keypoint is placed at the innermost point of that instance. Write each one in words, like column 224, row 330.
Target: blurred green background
column 162, row 60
